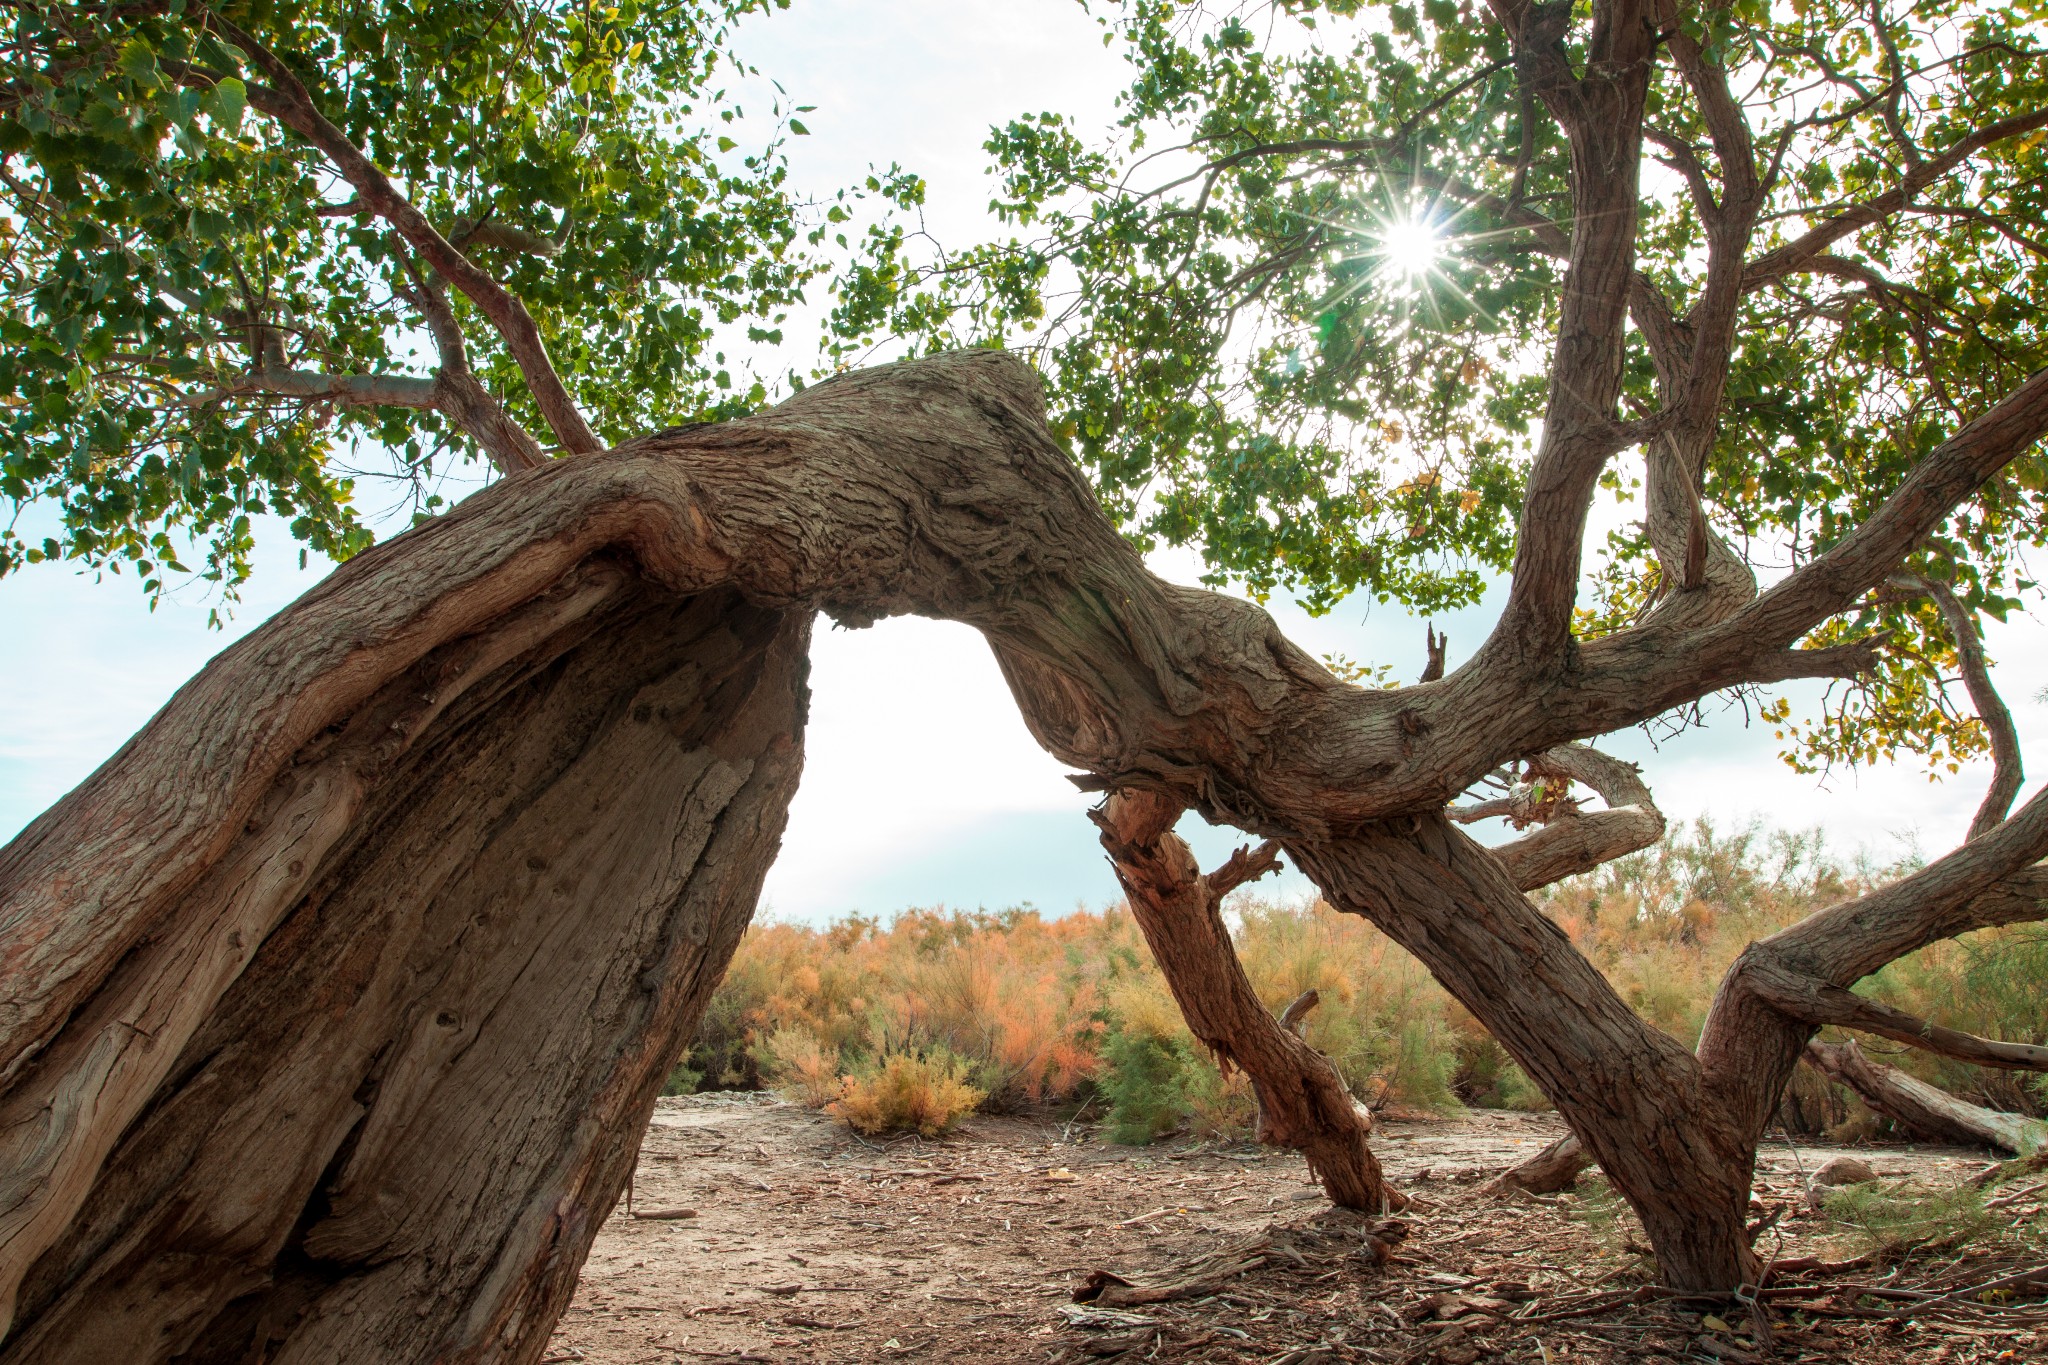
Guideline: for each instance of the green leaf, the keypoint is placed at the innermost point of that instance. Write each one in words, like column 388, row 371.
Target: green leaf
column 230, row 98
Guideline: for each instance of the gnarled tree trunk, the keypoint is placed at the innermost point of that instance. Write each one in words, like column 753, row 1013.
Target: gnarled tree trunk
column 1303, row 1102
column 368, row 1080
column 332, row 1006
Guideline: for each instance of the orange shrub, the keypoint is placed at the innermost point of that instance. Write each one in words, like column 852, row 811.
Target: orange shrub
column 926, row 1093
column 1027, row 1010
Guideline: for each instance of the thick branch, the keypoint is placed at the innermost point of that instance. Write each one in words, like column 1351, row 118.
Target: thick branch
column 2007, row 771
column 1986, row 882
column 1919, row 1107
column 1602, row 114
column 1667, row 668
column 1820, row 1002
column 287, row 100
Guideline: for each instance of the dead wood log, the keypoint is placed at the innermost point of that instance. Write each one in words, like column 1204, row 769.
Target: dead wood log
column 1557, row 1167
column 1922, row 1109
column 1303, row 1102
column 1197, row 1279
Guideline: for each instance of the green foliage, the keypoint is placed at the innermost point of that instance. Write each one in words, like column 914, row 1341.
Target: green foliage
column 682, row 1080
column 1145, row 1081
column 162, row 241
column 1292, row 309
column 1888, row 1218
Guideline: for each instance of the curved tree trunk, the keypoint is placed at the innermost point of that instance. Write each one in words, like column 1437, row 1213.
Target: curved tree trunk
column 398, row 1039
column 331, row 1007
column 1634, row 1096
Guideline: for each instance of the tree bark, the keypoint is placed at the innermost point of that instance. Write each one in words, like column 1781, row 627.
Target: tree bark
column 331, row 1007
column 1921, row 1109
column 1633, row 1095
column 408, row 1025
column 1303, row 1102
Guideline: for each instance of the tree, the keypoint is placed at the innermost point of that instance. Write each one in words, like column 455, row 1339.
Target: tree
column 236, row 277
column 334, row 1002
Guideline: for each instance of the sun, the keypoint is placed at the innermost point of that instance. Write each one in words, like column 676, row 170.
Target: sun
column 1409, row 247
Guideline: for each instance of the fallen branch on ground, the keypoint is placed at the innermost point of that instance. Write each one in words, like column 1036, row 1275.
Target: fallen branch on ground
column 1920, row 1108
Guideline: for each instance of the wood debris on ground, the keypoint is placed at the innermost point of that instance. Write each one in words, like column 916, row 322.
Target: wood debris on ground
column 811, row 1244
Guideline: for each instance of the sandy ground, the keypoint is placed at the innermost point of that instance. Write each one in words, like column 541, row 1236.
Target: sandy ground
column 807, row 1243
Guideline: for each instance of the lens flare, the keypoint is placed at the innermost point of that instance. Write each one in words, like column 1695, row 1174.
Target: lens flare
column 1410, row 247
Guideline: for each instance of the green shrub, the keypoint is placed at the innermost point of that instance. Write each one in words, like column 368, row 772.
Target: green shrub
column 1488, row 1078
column 1888, row 1218
column 682, row 1081
column 1145, row 1079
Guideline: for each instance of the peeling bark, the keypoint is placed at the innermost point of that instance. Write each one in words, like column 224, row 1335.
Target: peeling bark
column 331, row 1006
column 400, row 1037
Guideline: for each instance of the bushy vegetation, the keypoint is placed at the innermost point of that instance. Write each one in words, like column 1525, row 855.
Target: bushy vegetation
column 921, row 1092
column 894, row 1025
column 1886, row 1219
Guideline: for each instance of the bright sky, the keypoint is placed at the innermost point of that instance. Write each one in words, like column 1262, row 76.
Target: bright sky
column 922, row 786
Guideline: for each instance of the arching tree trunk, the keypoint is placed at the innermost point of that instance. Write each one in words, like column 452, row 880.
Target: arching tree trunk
column 332, row 1006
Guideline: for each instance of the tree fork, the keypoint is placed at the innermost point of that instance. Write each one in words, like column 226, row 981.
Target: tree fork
column 1303, row 1102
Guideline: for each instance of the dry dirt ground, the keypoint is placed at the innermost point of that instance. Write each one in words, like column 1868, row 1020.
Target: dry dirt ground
column 807, row 1243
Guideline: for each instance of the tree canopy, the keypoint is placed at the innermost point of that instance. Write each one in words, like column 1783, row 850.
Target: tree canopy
column 1296, row 309
column 207, row 315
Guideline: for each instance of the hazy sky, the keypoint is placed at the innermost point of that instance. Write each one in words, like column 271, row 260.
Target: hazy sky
column 922, row 786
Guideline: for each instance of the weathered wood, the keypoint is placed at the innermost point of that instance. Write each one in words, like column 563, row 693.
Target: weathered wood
column 395, row 1130
column 239, row 966
column 1924, row 1110
column 1557, row 1167
column 1303, row 1102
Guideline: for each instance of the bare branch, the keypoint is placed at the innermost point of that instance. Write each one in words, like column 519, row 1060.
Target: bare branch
column 347, row 390
column 1243, row 865
column 1298, row 1008
column 491, row 233
column 1437, row 644
column 287, row 100
column 1571, row 842
column 2007, row 772
column 1820, row 1002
